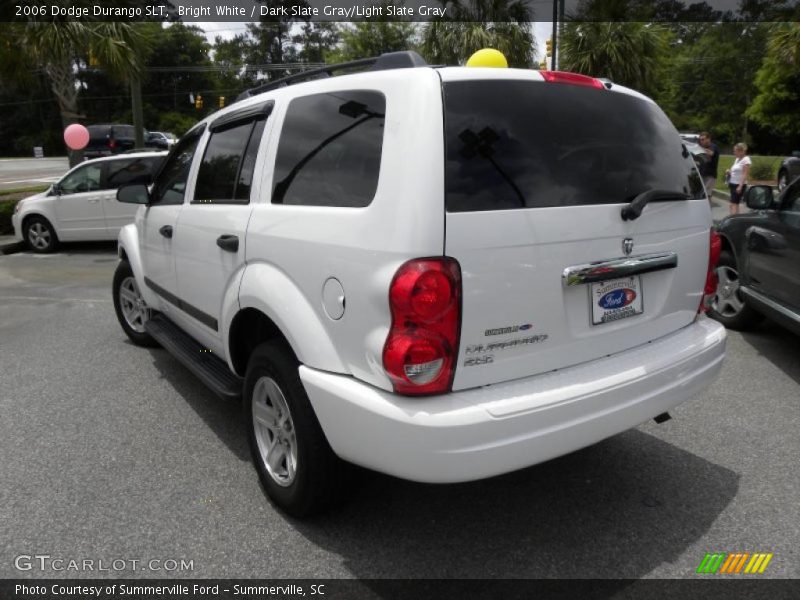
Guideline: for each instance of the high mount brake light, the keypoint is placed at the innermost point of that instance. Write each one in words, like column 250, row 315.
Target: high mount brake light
column 572, row 78
column 714, row 250
column 422, row 346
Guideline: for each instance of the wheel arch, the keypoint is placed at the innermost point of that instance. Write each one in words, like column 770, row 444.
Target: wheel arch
column 128, row 250
column 272, row 305
column 32, row 215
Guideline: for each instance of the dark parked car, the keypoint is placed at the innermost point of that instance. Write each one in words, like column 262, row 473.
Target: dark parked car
column 789, row 170
column 105, row 140
column 759, row 268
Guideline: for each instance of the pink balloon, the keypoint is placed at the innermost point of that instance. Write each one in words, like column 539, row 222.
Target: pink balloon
column 76, row 136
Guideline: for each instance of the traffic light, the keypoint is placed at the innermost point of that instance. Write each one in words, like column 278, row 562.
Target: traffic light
column 543, row 65
column 222, row 101
column 549, row 47
column 198, row 102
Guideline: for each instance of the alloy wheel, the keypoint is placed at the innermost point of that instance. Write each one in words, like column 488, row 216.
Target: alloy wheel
column 728, row 300
column 133, row 306
column 274, row 431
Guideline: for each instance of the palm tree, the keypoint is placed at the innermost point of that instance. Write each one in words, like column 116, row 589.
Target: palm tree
column 500, row 24
column 784, row 43
column 631, row 54
column 58, row 49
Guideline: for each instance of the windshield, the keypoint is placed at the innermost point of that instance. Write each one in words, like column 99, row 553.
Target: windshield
column 520, row 144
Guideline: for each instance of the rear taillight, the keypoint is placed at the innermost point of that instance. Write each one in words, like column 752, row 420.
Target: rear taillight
column 572, row 78
column 710, row 289
column 112, row 143
column 422, row 346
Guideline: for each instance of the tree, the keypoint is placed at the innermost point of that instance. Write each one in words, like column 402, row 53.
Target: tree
column 373, row 38
column 711, row 80
column 775, row 106
column 629, row 53
column 317, row 41
column 475, row 24
column 59, row 47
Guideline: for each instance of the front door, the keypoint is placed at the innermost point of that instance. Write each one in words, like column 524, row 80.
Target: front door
column 158, row 231
column 79, row 206
column 773, row 249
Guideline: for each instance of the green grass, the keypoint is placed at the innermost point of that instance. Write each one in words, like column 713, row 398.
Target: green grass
column 32, row 189
column 6, row 210
column 726, row 160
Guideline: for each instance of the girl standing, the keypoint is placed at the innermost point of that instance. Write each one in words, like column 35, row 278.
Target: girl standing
column 737, row 176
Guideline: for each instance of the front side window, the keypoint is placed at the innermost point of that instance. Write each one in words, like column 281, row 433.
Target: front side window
column 529, row 144
column 84, row 179
column 170, row 184
column 330, row 148
column 227, row 169
column 131, row 170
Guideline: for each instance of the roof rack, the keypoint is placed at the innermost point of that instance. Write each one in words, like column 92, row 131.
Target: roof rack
column 390, row 60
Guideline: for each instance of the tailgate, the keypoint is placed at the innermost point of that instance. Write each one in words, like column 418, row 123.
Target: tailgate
column 552, row 275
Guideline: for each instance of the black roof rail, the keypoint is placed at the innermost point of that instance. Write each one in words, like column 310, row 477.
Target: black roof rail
column 391, row 60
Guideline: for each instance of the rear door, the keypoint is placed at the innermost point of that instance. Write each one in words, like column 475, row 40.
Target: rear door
column 536, row 176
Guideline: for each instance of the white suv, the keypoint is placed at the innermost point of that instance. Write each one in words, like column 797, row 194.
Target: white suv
column 443, row 274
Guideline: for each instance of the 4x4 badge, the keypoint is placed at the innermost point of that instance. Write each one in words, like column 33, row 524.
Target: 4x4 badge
column 627, row 246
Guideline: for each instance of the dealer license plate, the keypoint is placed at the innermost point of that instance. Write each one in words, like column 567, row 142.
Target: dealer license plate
column 616, row 299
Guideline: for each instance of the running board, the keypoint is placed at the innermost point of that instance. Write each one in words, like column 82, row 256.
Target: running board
column 211, row 370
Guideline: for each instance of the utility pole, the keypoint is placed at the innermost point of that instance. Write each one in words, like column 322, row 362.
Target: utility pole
column 553, row 62
column 136, row 109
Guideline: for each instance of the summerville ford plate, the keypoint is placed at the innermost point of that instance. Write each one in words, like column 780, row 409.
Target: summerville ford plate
column 616, row 299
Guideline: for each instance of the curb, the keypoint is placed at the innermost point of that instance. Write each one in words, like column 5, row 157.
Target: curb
column 11, row 247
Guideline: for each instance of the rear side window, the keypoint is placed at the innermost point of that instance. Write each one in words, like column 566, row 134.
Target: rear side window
column 227, row 169
column 131, row 170
column 329, row 153
column 520, row 144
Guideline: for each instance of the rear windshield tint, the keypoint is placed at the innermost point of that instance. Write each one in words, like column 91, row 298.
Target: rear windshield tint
column 520, row 144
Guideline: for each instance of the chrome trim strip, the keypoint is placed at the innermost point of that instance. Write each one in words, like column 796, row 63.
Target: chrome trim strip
column 618, row 267
column 779, row 308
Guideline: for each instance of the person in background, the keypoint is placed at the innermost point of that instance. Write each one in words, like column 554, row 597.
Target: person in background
column 708, row 170
column 737, row 176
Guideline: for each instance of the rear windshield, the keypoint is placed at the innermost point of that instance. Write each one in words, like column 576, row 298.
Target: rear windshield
column 520, row 144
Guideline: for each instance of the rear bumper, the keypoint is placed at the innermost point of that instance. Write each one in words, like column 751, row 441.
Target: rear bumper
column 487, row 431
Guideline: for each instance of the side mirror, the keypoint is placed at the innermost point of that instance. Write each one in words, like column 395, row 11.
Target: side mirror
column 136, row 193
column 55, row 190
column 758, row 197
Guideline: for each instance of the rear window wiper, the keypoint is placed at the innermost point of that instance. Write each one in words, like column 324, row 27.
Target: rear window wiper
column 634, row 209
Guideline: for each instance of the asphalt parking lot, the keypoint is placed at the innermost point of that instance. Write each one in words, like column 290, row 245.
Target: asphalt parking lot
column 116, row 452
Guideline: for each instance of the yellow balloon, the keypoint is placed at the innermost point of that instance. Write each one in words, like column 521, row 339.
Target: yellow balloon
column 488, row 57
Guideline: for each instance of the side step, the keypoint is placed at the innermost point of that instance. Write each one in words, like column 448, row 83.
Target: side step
column 211, row 370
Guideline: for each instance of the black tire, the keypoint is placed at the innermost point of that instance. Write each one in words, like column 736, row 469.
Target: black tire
column 320, row 477
column 729, row 306
column 40, row 236
column 124, row 281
